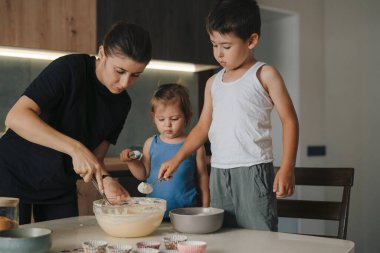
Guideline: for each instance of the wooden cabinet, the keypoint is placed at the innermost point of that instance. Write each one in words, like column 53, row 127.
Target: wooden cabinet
column 66, row 25
column 177, row 27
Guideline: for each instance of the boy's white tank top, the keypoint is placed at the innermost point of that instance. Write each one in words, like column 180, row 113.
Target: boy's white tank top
column 240, row 132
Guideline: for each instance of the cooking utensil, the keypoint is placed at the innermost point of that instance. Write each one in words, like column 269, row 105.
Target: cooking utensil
column 95, row 184
column 135, row 155
column 136, row 217
column 147, row 188
column 196, row 220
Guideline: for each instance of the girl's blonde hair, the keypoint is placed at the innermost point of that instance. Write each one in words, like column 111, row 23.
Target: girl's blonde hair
column 171, row 93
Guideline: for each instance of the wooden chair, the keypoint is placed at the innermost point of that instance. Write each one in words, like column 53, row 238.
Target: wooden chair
column 321, row 210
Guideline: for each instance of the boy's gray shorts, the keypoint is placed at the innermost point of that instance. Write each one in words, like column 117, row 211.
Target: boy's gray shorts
column 246, row 195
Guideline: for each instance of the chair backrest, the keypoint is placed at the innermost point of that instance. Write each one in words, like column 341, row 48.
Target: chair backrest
column 321, row 210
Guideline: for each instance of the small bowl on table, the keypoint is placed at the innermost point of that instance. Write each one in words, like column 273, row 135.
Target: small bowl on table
column 197, row 220
column 36, row 240
column 192, row 247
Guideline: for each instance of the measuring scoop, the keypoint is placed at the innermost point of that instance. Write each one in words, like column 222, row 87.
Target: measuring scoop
column 147, row 188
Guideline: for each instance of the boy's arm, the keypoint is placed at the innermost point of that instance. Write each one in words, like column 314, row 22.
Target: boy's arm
column 274, row 84
column 139, row 168
column 196, row 138
column 203, row 177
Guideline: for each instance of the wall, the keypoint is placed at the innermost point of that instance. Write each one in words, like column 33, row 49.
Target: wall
column 339, row 91
column 352, row 65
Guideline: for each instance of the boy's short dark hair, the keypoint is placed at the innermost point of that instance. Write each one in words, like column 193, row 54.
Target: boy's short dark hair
column 130, row 40
column 241, row 17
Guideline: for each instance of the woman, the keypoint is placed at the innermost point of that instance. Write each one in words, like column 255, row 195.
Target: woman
column 63, row 124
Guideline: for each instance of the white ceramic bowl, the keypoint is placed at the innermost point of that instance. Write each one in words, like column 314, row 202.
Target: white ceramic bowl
column 36, row 240
column 135, row 218
column 197, row 220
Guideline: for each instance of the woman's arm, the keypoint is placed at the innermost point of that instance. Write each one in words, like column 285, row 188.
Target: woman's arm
column 203, row 176
column 273, row 82
column 23, row 119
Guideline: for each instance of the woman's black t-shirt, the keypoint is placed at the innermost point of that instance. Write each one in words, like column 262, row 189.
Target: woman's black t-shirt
column 75, row 103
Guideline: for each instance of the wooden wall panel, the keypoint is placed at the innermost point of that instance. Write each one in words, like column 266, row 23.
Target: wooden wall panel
column 68, row 25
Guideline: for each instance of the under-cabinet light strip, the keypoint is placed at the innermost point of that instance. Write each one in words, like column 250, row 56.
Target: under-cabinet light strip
column 51, row 55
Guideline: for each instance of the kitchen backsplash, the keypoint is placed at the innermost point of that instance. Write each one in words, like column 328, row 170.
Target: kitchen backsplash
column 17, row 73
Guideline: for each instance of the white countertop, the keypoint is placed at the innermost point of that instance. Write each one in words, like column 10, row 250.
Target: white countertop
column 68, row 234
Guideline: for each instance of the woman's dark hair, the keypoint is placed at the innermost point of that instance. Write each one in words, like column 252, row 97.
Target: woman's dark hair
column 241, row 17
column 171, row 93
column 130, row 40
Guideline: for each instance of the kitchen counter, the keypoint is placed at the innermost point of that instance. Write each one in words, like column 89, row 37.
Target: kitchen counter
column 68, row 234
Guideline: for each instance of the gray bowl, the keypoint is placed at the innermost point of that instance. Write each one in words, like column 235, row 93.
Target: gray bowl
column 197, row 220
column 21, row 240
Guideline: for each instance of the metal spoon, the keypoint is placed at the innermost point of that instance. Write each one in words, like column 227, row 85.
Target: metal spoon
column 147, row 188
column 135, row 155
column 93, row 180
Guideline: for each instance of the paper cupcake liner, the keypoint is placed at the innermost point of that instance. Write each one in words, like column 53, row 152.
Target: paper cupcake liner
column 94, row 246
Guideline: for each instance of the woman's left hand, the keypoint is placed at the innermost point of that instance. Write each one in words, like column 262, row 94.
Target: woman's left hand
column 114, row 191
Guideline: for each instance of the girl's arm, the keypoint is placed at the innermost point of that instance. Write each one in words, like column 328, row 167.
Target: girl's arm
column 139, row 169
column 196, row 138
column 203, row 177
column 274, row 84
column 23, row 119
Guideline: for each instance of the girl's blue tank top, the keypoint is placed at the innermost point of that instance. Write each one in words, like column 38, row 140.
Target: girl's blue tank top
column 180, row 191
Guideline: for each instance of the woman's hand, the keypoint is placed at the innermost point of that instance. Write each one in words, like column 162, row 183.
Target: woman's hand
column 114, row 191
column 87, row 165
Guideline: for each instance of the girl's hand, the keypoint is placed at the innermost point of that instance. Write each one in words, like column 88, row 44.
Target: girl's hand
column 114, row 191
column 124, row 155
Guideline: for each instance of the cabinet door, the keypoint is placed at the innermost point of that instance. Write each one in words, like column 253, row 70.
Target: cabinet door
column 66, row 25
column 177, row 27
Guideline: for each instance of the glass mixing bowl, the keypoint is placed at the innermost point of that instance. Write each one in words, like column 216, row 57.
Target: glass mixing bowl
column 139, row 216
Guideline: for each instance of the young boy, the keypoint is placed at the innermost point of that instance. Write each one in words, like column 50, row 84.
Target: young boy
column 236, row 118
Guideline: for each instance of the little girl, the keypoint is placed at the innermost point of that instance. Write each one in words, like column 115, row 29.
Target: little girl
column 171, row 113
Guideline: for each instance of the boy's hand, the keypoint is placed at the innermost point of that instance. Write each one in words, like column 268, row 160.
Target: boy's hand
column 167, row 169
column 283, row 184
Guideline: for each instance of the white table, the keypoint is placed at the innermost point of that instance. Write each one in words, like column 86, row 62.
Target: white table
column 69, row 234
